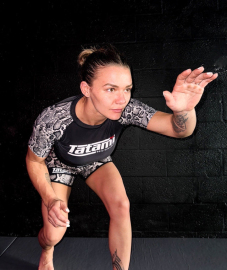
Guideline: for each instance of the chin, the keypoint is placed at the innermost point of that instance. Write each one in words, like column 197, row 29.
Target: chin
column 114, row 117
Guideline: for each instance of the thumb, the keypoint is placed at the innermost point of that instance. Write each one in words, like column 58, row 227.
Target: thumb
column 169, row 98
column 64, row 207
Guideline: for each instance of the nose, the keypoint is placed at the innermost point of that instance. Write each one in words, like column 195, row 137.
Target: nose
column 120, row 99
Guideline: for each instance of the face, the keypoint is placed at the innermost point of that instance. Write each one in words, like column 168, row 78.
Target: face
column 111, row 91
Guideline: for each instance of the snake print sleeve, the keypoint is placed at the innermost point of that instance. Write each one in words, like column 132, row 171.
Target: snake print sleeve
column 48, row 127
column 137, row 113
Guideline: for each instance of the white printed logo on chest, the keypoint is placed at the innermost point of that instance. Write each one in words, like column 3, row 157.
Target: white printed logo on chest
column 91, row 148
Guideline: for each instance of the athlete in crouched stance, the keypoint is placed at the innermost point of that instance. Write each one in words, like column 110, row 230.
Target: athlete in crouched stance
column 78, row 135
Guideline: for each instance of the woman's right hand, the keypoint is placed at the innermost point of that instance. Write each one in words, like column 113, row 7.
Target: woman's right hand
column 55, row 216
column 39, row 175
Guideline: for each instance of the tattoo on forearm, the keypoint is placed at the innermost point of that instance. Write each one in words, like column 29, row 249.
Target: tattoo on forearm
column 117, row 264
column 47, row 178
column 179, row 122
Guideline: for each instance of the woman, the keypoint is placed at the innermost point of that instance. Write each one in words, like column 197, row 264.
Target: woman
column 78, row 135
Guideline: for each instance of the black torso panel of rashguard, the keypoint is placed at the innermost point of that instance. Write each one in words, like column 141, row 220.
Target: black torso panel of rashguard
column 77, row 143
column 83, row 144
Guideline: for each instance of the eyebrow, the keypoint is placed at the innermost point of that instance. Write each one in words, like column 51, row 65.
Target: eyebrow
column 116, row 86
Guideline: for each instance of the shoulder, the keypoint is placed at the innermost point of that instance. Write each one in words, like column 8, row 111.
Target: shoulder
column 136, row 113
column 137, row 103
column 50, row 126
column 55, row 112
column 136, row 107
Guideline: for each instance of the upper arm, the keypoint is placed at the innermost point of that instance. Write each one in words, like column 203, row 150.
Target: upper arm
column 31, row 156
column 44, row 133
column 162, row 123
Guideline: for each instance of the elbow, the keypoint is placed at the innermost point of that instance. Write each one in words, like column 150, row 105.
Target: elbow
column 185, row 134
column 181, row 128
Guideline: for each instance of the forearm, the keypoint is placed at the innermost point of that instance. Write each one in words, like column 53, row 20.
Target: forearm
column 184, row 123
column 40, row 178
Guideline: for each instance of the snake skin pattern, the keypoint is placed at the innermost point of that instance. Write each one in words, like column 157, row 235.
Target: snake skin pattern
column 53, row 121
column 48, row 127
column 67, row 174
column 137, row 113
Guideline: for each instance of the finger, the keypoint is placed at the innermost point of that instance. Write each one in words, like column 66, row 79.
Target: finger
column 52, row 222
column 62, row 219
column 64, row 207
column 182, row 77
column 169, row 98
column 194, row 74
column 58, row 217
column 202, row 77
column 57, row 220
column 55, row 211
column 204, row 83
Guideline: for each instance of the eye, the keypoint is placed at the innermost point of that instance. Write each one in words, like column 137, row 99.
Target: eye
column 128, row 89
column 110, row 90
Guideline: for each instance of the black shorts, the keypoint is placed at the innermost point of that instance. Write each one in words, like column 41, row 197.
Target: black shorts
column 64, row 174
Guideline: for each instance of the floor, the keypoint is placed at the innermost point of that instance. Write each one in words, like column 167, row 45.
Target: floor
column 22, row 253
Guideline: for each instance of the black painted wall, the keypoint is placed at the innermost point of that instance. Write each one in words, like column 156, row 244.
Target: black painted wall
column 176, row 187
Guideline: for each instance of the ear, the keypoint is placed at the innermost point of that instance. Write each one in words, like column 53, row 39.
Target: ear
column 85, row 89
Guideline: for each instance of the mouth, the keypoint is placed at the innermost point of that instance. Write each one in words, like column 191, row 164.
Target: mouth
column 117, row 110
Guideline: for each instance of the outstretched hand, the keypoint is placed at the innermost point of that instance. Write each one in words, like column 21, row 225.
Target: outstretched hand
column 188, row 89
column 55, row 216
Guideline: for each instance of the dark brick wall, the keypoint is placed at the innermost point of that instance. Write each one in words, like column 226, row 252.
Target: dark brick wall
column 177, row 188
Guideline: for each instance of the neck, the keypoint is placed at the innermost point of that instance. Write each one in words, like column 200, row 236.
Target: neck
column 87, row 113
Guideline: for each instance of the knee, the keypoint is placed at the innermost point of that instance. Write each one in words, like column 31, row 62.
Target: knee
column 52, row 237
column 119, row 208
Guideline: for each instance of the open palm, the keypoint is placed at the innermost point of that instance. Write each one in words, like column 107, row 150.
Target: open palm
column 188, row 89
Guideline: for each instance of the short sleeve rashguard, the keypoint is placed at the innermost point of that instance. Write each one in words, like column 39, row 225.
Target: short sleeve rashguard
column 76, row 143
column 136, row 113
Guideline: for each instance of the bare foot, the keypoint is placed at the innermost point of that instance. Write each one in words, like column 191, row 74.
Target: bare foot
column 46, row 260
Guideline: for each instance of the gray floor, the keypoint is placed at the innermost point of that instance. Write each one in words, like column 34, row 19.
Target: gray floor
column 22, row 253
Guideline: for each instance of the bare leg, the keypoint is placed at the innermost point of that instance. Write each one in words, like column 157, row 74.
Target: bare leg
column 49, row 236
column 108, row 185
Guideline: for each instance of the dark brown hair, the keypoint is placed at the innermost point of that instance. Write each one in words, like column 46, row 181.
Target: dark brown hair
column 90, row 60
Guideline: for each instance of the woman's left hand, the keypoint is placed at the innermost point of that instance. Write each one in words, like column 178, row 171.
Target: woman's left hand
column 188, row 89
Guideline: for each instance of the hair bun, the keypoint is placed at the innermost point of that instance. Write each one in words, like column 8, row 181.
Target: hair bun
column 90, row 60
column 84, row 55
